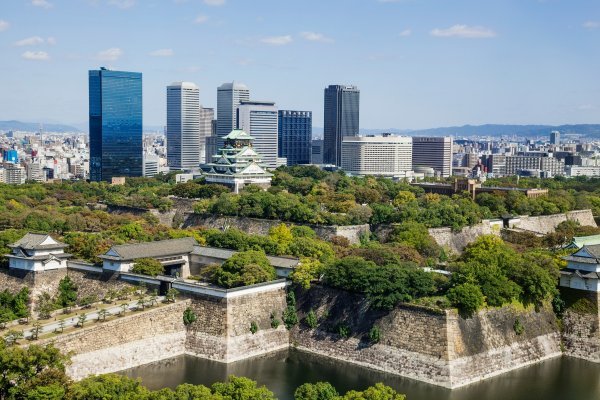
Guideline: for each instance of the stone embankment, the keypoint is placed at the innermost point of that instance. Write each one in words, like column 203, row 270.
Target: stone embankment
column 437, row 347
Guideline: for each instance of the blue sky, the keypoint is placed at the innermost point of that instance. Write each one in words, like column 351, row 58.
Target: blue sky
column 418, row 63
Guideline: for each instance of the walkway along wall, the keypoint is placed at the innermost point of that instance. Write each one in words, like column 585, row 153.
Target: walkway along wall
column 428, row 345
column 221, row 331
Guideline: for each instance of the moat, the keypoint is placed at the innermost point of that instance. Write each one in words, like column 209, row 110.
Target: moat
column 557, row 379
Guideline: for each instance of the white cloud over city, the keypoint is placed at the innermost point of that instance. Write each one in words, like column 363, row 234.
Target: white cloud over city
column 277, row 40
column 36, row 55
column 112, row 54
column 316, row 37
column 41, row 3
column 464, row 31
column 162, row 53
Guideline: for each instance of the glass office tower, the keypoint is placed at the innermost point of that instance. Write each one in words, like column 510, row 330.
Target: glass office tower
column 116, row 147
column 295, row 135
column 341, row 118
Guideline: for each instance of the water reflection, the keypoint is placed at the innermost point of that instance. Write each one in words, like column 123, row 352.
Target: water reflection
column 282, row 372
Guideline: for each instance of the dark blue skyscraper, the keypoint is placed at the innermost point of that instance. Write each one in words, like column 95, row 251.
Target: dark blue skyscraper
column 341, row 112
column 115, row 124
column 294, row 136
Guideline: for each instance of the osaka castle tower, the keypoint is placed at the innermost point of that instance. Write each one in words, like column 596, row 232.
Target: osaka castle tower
column 237, row 164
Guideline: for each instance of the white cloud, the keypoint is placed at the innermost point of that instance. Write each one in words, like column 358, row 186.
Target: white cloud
column 200, row 19
column 277, row 40
column 214, row 2
column 162, row 53
column 4, row 25
column 591, row 24
column 464, row 31
column 122, row 3
column 41, row 3
column 586, row 107
column 112, row 54
column 35, row 41
column 404, row 33
column 316, row 37
column 36, row 55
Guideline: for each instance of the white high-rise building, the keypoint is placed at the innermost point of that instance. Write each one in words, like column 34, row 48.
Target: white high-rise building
column 229, row 96
column 377, row 155
column 206, row 118
column 183, row 125
column 260, row 120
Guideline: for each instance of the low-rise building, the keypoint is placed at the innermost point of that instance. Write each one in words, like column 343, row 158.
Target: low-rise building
column 583, row 269
column 36, row 252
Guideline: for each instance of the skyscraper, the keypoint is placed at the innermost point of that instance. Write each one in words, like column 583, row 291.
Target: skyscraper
column 259, row 119
column 229, row 96
column 294, row 137
column 183, row 125
column 555, row 138
column 115, row 101
column 433, row 152
column 206, row 121
column 341, row 118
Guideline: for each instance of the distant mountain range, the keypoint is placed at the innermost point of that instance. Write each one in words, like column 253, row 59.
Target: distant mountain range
column 486, row 130
column 34, row 127
column 456, row 131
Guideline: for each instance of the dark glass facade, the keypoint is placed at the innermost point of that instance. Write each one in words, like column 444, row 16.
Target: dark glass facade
column 341, row 118
column 116, row 146
column 294, row 136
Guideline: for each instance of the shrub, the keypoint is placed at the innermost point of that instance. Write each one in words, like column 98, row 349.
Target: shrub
column 274, row 321
column 518, row 327
column 375, row 334
column 253, row 327
column 189, row 316
column 343, row 330
column 467, row 297
column 148, row 266
column 311, row 319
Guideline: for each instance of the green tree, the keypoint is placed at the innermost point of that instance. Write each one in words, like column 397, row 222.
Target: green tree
column 189, row 316
column 239, row 388
column 307, row 271
column 316, row 391
column 377, row 392
column 467, row 297
column 67, row 292
column 311, row 319
column 25, row 371
column 108, row 387
column 148, row 266
column 244, row 268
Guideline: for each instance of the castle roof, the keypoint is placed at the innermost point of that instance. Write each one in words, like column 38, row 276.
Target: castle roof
column 162, row 248
column 37, row 241
column 238, row 134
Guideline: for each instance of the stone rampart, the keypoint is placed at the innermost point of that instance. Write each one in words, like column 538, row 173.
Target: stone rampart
column 134, row 339
column 581, row 324
column 262, row 226
column 222, row 330
column 438, row 347
column 543, row 224
column 547, row 223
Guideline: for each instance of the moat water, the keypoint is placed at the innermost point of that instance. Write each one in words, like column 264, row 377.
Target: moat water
column 561, row 378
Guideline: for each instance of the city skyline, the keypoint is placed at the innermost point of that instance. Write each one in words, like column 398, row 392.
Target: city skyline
column 510, row 62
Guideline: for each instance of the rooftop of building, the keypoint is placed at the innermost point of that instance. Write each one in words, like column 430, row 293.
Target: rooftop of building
column 37, row 241
column 233, row 86
column 162, row 248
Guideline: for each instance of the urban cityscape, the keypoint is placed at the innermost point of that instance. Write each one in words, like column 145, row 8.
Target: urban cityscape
column 250, row 229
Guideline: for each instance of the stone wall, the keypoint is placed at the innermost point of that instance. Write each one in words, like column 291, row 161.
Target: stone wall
column 457, row 241
column 222, row 330
column 429, row 345
column 581, row 325
column 262, row 226
column 547, row 223
column 135, row 339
